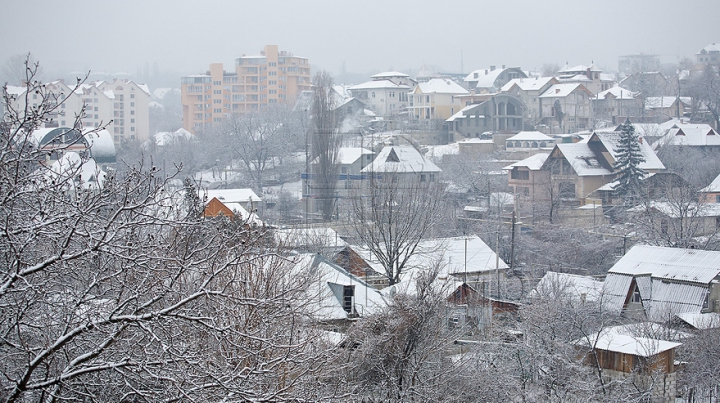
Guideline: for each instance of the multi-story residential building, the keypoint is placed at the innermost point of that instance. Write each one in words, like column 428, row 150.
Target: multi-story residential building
column 589, row 76
column 120, row 106
column 709, row 54
column 272, row 77
column 386, row 94
column 436, row 99
column 529, row 90
column 488, row 81
column 565, row 107
column 616, row 105
column 636, row 63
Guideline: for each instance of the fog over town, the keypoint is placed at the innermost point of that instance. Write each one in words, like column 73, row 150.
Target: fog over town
column 374, row 201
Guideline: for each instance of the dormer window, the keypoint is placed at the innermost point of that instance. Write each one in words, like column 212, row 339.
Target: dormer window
column 636, row 299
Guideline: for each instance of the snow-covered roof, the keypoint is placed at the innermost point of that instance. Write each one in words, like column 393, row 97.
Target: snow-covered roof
column 379, row 84
column 326, row 283
column 321, row 237
column 101, row 145
column 388, row 74
column 349, row 155
column 440, row 86
column 713, row 187
column 583, row 160
column 691, row 135
column 527, row 84
column 701, row 321
column 231, row 195
column 610, row 340
column 607, row 77
column 166, row 138
column 533, row 163
column 664, row 102
column 580, row 68
column 560, row 90
column 485, row 77
column 675, row 210
column 400, row 159
column 686, row 265
column 713, row 47
column 441, row 150
column 530, row 136
column 611, row 142
column 16, row 90
column 461, row 114
column 71, row 167
column 578, row 288
column 457, row 256
column 239, row 210
column 617, row 92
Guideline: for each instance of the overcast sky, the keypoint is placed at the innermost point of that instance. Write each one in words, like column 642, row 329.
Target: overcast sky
column 366, row 36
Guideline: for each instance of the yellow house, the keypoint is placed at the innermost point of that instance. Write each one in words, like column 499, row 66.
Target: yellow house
column 436, row 99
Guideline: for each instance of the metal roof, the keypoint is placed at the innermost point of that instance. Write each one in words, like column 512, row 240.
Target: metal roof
column 692, row 265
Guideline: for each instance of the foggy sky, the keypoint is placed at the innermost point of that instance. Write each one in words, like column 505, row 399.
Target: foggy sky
column 366, row 36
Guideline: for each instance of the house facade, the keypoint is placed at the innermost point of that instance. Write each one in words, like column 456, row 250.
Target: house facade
column 528, row 90
column 565, row 108
column 436, row 98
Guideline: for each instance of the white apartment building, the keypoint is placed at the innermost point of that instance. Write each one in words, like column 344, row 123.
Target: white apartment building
column 121, row 106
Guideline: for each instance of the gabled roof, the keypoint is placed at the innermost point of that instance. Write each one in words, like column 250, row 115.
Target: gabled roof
column 692, row 135
column 611, row 142
column 563, row 90
column 617, row 92
column 400, row 159
column 533, row 163
column 325, row 289
column 527, row 84
column 440, row 86
column 584, row 161
column 713, row 47
column 349, row 155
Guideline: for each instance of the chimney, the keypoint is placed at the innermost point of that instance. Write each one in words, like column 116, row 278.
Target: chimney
column 503, row 66
column 492, row 68
column 486, row 71
column 640, row 140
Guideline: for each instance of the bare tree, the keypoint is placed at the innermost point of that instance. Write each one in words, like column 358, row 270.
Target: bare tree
column 260, row 139
column 325, row 145
column 705, row 88
column 120, row 293
column 392, row 214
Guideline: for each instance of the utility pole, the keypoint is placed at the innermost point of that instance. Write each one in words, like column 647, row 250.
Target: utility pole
column 512, row 243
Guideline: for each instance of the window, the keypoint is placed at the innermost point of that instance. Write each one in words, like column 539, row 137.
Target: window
column 636, row 296
column 132, row 112
column 372, row 95
column 132, row 95
column 132, row 120
column 132, row 104
column 349, row 299
column 217, row 82
column 132, row 129
column 717, row 199
column 566, row 190
column 520, row 175
column 423, row 178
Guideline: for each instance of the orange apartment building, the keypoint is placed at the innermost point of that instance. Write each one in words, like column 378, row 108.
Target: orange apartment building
column 274, row 76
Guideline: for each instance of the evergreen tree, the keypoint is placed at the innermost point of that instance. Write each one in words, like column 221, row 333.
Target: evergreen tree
column 627, row 164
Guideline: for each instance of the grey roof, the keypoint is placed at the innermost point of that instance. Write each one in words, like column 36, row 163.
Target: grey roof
column 670, row 280
column 691, row 265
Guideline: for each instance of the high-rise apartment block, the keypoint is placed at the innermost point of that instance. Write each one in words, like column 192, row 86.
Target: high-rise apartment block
column 272, row 77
